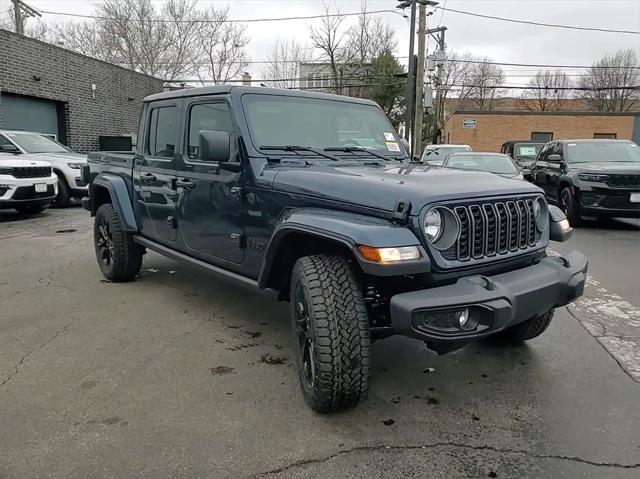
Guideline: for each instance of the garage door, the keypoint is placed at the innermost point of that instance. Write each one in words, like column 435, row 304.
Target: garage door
column 26, row 113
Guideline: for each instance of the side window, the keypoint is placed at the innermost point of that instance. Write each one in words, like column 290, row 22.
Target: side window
column 557, row 150
column 163, row 132
column 542, row 156
column 4, row 141
column 207, row 116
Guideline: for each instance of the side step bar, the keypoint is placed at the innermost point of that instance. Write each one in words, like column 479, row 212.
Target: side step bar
column 175, row 255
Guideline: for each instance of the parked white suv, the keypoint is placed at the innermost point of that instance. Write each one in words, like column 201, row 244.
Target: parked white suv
column 67, row 165
column 26, row 185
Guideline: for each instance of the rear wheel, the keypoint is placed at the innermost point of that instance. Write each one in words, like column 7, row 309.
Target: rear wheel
column 119, row 257
column 30, row 209
column 330, row 333
column 570, row 206
column 532, row 328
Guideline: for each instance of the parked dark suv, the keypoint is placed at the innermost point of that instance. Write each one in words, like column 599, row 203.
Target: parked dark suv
column 313, row 196
column 590, row 177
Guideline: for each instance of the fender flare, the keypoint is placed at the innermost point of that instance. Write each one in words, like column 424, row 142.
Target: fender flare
column 348, row 230
column 120, row 198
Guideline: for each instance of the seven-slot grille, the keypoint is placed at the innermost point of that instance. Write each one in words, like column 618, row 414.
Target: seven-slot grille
column 31, row 171
column 493, row 228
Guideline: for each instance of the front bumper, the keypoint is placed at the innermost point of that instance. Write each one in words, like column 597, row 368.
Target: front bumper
column 21, row 191
column 494, row 302
column 608, row 202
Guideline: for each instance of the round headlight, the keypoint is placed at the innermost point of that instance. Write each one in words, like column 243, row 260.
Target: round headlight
column 433, row 225
column 540, row 214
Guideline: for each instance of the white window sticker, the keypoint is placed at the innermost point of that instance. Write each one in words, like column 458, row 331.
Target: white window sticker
column 572, row 144
column 392, row 146
column 389, row 136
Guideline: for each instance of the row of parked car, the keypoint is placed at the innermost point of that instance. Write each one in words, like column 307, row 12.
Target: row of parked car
column 596, row 178
column 37, row 171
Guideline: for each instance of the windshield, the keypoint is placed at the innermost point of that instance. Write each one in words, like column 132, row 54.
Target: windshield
column 318, row 123
column 499, row 164
column 36, row 143
column 527, row 150
column 440, row 152
column 609, row 151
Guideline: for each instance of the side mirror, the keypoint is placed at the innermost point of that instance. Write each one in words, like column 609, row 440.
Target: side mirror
column 9, row 148
column 554, row 158
column 214, row 145
column 559, row 228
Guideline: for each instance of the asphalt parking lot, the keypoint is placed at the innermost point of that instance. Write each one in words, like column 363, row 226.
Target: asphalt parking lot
column 181, row 374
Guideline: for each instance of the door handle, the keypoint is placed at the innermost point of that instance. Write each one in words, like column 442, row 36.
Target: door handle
column 185, row 183
column 148, row 177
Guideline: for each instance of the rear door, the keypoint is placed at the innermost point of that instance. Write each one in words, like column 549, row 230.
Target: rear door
column 210, row 198
column 154, row 171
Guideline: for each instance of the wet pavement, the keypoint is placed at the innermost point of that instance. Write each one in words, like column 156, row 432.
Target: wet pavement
column 182, row 374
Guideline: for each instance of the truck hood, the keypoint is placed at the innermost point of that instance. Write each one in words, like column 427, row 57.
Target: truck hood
column 382, row 187
column 62, row 157
column 613, row 167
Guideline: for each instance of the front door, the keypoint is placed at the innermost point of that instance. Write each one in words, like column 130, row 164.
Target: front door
column 155, row 171
column 210, row 205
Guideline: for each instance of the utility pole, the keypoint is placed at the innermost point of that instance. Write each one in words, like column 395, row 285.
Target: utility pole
column 416, row 146
column 440, row 57
column 19, row 9
column 17, row 14
column 410, row 87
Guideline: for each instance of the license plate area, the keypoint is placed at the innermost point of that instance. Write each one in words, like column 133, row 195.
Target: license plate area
column 42, row 188
column 634, row 198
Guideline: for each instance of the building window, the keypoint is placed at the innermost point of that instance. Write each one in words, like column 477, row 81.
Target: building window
column 310, row 81
column 605, row 136
column 541, row 137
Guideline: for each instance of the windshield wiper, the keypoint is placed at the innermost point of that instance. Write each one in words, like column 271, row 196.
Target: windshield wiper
column 352, row 149
column 296, row 148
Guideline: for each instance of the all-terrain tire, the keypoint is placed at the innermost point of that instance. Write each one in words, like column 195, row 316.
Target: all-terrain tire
column 529, row 329
column 30, row 209
column 119, row 257
column 338, row 331
column 570, row 206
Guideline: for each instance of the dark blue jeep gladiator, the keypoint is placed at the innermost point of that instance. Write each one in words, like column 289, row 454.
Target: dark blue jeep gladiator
column 314, row 196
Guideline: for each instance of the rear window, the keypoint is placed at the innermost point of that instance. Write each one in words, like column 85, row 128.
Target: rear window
column 163, row 132
column 525, row 150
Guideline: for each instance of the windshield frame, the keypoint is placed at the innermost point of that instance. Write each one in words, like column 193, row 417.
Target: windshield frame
column 604, row 158
column 516, row 171
column 11, row 136
column 253, row 140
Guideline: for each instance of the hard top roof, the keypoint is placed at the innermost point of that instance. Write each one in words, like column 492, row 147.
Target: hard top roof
column 237, row 89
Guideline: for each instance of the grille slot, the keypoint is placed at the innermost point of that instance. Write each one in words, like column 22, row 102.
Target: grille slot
column 493, row 228
column 623, row 181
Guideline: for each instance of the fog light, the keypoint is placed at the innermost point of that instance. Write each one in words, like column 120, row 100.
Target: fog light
column 463, row 317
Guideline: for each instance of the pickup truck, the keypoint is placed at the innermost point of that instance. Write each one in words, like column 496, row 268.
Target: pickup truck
column 313, row 196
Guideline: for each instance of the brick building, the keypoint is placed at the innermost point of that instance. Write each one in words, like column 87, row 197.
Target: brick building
column 70, row 96
column 488, row 130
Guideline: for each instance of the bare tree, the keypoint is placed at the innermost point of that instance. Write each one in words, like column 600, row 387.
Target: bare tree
column 454, row 86
column 222, row 48
column 86, row 38
column 331, row 39
column 370, row 37
column 482, row 82
column 160, row 43
column 283, row 63
column 612, row 83
column 547, row 90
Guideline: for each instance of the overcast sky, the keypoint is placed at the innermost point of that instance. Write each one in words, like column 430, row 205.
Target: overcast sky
column 508, row 42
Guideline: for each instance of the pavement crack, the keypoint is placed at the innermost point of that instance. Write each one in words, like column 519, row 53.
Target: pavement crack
column 319, row 460
column 32, row 351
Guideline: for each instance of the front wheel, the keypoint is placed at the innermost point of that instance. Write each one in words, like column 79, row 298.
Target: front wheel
column 529, row 329
column 330, row 333
column 64, row 197
column 570, row 207
column 119, row 257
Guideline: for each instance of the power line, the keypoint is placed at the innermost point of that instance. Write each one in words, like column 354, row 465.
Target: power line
column 540, row 24
column 227, row 20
